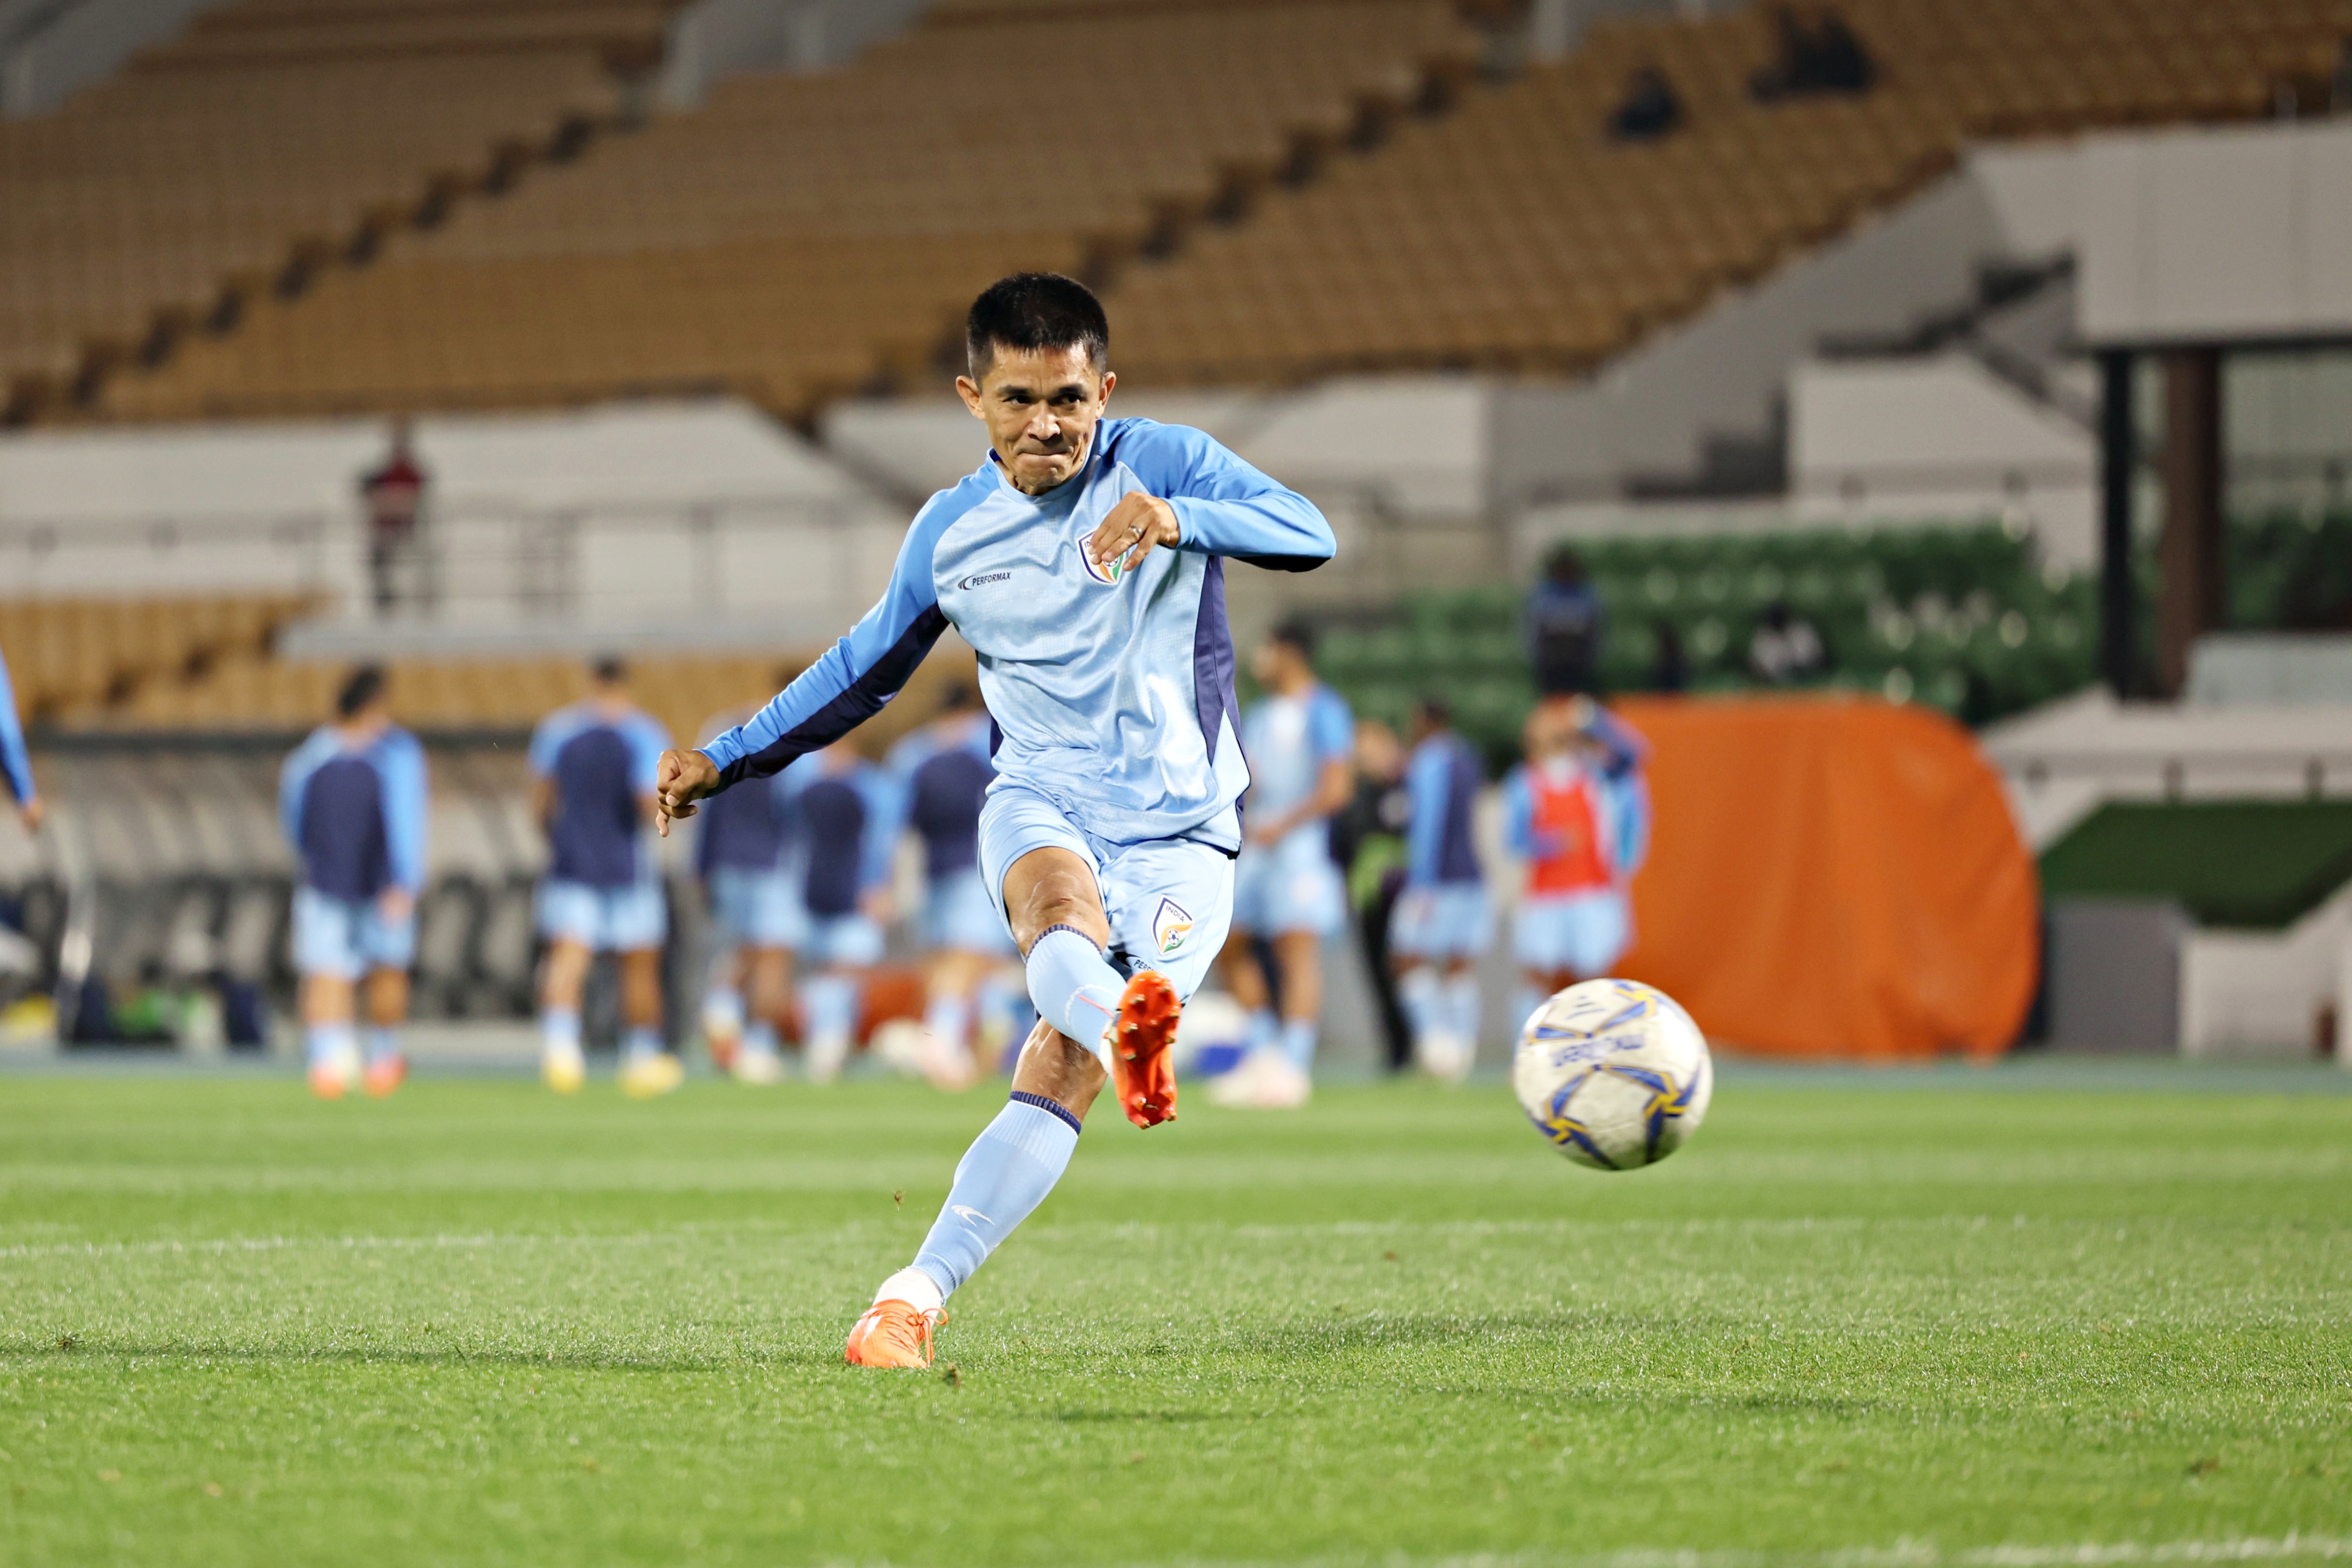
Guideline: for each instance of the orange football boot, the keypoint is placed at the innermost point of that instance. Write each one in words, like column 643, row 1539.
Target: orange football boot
column 327, row 1083
column 1140, row 1037
column 894, row 1333
column 385, row 1074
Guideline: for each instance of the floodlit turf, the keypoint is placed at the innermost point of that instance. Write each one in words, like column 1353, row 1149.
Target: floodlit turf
column 1916, row 1317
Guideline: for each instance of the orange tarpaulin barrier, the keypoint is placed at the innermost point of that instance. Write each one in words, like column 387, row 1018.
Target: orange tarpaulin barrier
column 1832, row 878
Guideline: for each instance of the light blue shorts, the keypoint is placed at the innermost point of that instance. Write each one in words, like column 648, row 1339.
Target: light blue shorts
column 758, row 909
column 1449, row 920
column 348, row 937
column 1584, row 934
column 604, row 919
column 853, row 941
column 1171, row 900
column 1289, row 887
column 960, row 917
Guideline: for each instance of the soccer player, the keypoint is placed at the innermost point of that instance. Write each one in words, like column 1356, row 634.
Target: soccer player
column 944, row 772
column 1577, row 813
column 593, row 766
column 851, row 820
column 353, row 801
column 15, row 762
column 1298, row 739
column 1442, row 922
column 746, row 857
column 1084, row 562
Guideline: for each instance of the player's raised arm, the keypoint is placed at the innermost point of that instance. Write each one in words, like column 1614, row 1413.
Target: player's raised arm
column 831, row 696
column 16, row 763
column 1199, row 496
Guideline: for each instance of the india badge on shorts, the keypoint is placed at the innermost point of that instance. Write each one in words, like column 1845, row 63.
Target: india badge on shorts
column 1171, row 927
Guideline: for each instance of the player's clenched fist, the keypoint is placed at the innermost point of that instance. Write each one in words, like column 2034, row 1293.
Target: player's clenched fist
column 683, row 778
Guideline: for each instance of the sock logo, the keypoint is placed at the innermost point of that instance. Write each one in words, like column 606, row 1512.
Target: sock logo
column 969, row 1214
column 1172, row 924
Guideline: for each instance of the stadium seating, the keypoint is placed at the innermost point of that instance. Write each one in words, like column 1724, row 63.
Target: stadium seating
column 1959, row 619
column 1509, row 233
column 245, row 689
column 800, row 237
column 68, row 655
column 1515, row 234
column 270, row 136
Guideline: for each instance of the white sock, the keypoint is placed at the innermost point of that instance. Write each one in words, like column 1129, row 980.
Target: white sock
column 914, row 1286
column 558, row 1028
column 1461, row 1007
column 950, row 1018
column 640, row 1042
column 723, row 1011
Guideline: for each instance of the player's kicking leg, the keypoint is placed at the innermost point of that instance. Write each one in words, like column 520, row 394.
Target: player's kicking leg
column 1093, row 1027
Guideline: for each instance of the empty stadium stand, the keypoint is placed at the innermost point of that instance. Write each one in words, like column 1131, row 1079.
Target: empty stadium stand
column 1515, row 234
column 68, row 655
column 234, row 162
column 798, row 236
column 801, row 237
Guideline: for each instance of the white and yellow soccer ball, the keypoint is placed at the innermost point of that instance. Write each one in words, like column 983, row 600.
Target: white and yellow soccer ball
column 1613, row 1073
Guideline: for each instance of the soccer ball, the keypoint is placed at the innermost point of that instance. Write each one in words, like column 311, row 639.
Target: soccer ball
column 1613, row 1073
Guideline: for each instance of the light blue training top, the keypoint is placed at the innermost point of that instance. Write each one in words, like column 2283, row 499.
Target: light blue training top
column 16, row 763
column 1113, row 692
column 1289, row 740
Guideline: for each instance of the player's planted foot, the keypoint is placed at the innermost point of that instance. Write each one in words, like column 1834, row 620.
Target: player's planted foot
column 327, row 1083
column 563, row 1070
column 1142, row 1068
column 385, row 1074
column 651, row 1075
column 894, row 1333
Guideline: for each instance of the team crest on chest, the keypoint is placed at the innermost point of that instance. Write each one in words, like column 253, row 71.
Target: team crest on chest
column 1107, row 576
column 1171, row 927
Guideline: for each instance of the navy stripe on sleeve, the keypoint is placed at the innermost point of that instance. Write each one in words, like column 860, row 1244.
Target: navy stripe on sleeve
column 865, row 697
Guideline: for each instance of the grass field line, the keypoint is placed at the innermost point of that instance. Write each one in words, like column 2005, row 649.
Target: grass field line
column 1901, row 1554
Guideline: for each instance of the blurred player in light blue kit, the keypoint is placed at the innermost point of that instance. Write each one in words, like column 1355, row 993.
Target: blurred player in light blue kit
column 1084, row 562
column 1576, row 815
column 15, row 762
column 1299, row 739
column 748, row 856
column 942, row 771
column 353, row 799
column 1442, row 921
column 593, row 767
column 846, row 809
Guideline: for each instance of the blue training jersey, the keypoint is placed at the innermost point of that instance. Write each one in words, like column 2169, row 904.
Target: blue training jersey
column 1441, row 780
column 1113, row 691
column 356, row 815
column 942, row 773
column 602, row 766
column 15, row 762
column 852, row 819
column 1289, row 740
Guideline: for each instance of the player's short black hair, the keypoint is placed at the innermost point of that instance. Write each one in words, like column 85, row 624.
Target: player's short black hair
column 360, row 690
column 609, row 668
column 1436, row 708
column 1564, row 566
column 1036, row 310
column 1294, row 634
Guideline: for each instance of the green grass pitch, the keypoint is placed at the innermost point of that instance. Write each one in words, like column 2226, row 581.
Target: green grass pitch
column 1926, row 1318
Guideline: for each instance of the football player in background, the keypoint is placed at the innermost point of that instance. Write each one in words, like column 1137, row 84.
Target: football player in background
column 1577, row 813
column 353, row 799
column 748, row 856
column 942, row 771
column 1084, row 562
column 15, row 762
column 593, row 766
column 1442, row 922
column 1299, row 739
column 846, row 805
